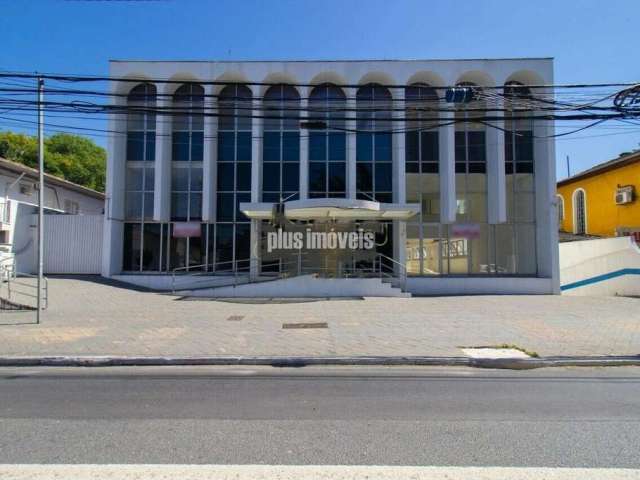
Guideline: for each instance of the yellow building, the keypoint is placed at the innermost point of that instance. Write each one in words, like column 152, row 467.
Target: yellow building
column 602, row 201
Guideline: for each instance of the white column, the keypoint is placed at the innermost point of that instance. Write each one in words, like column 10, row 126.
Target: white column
column 162, row 186
column 399, row 179
column 256, row 178
column 304, row 145
column 546, row 213
column 210, row 156
column 447, row 168
column 351, row 142
column 115, row 190
column 496, row 181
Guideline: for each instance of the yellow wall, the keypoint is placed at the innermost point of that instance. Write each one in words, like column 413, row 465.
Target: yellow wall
column 603, row 215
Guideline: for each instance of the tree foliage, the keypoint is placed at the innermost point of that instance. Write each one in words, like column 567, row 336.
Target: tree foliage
column 72, row 157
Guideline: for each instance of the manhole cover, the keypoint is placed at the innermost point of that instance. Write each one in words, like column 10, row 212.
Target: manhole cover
column 305, row 325
column 235, row 318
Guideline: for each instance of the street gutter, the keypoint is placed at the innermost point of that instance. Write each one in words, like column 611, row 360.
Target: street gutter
column 303, row 361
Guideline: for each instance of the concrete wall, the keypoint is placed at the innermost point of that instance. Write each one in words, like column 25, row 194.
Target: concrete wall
column 608, row 266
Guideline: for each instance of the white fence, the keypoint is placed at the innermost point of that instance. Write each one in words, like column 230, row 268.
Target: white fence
column 72, row 244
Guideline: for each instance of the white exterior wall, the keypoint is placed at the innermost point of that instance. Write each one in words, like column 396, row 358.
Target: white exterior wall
column 353, row 73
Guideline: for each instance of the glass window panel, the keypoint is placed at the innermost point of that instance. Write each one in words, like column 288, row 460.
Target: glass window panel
column 195, row 210
column 364, row 177
column 337, row 177
column 224, row 246
column 290, row 176
column 429, row 147
column 179, row 179
column 526, row 248
column 197, row 146
column 317, row 146
column 196, row 252
column 149, row 179
column 148, row 206
column 133, row 208
column 364, row 147
column 383, row 177
column 505, row 261
column 524, row 207
column 271, row 147
column 383, row 197
column 411, row 146
column 225, row 207
column 412, row 167
column 150, row 153
column 131, row 247
column 383, row 147
column 180, row 146
column 431, row 250
column 226, row 148
column 225, row 176
column 196, row 179
column 524, row 146
column 337, row 146
column 151, row 247
column 134, row 178
column 243, row 241
column 271, row 177
column 179, row 206
column 291, row 147
column 244, row 147
column 243, row 177
column 477, row 147
column 413, row 250
column 317, row 177
column 135, row 146
column 480, row 252
column 177, row 251
column 524, row 167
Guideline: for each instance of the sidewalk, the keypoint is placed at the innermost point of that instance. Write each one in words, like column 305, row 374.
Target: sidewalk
column 89, row 317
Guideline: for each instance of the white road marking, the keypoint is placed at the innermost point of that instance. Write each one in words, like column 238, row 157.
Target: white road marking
column 290, row 472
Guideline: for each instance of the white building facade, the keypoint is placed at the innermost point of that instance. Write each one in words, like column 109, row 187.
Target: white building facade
column 211, row 165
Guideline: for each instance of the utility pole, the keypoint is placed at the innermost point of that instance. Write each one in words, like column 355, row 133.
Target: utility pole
column 40, row 194
column 568, row 168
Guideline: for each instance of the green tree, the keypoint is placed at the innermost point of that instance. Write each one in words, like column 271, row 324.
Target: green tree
column 72, row 157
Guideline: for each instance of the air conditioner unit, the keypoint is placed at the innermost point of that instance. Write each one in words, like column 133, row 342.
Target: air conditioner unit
column 624, row 195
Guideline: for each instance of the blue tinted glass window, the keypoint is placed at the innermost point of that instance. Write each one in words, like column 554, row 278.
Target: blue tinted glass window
column 135, row 146
column 317, row 146
column 429, row 147
column 243, row 174
column 271, row 147
column 225, row 176
column 225, row 207
column 226, row 146
column 477, row 147
column 364, row 177
column 383, row 147
column 337, row 177
column 337, row 146
column 411, row 146
column 224, row 245
column 291, row 147
column 290, row 176
column 180, row 146
column 150, row 153
column 242, row 198
column 383, row 177
column 271, row 177
column 244, row 147
column 364, row 147
column 197, row 146
column 317, row 177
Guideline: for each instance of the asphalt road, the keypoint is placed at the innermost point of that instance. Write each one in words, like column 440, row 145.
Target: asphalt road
column 315, row 416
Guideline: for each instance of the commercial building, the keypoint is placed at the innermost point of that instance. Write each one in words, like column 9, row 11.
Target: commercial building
column 602, row 201
column 216, row 168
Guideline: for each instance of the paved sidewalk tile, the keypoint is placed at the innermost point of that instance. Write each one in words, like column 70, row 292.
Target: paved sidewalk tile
column 88, row 316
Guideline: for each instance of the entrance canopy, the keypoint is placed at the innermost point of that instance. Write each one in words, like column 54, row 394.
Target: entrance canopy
column 333, row 209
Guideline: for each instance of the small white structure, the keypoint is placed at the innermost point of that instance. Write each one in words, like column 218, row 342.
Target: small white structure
column 18, row 206
column 456, row 206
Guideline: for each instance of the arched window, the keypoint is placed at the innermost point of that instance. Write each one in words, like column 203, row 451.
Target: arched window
column 579, row 212
column 422, row 179
column 187, row 151
column 281, row 144
column 232, row 228
column 327, row 148
column 560, row 206
column 187, row 142
column 519, row 231
column 374, row 159
column 141, row 240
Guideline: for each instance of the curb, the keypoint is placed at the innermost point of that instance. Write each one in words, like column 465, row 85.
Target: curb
column 301, row 361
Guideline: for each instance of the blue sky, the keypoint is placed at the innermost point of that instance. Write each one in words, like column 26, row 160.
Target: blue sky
column 591, row 40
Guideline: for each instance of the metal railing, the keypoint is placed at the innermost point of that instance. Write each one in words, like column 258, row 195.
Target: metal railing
column 241, row 271
column 21, row 288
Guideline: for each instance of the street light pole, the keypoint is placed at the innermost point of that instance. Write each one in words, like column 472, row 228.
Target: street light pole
column 40, row 193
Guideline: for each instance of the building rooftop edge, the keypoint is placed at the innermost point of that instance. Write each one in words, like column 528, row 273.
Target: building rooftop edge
column 21, row 168
column 613, row 164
